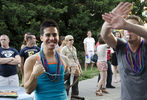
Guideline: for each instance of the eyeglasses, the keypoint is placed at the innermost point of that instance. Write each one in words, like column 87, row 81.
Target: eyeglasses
column 71, row 39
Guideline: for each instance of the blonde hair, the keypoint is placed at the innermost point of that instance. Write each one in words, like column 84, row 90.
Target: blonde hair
column 67, row 37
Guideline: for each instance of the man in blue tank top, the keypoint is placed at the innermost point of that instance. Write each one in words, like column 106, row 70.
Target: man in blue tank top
column 9, row 58
column 44, row 71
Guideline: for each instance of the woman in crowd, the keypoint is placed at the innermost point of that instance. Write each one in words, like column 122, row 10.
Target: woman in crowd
column 24, row 41
column 102, row 66
column 114, row 58
column 62, row 43
column 70, row 52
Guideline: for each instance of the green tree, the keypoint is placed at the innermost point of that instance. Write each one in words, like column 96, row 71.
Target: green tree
column 74, row 17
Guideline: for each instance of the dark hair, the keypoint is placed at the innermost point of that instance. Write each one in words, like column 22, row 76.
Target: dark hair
column 137, row 18
column 48, row 23
column 117, row 32
column 29, row 33
column 61, row 38
column 101, row 40
column 29, row 36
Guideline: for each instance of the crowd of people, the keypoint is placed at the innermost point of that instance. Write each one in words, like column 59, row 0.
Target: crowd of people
column 44, row 68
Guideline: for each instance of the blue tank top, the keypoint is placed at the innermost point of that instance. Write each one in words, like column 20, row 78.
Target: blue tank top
column 51, row 90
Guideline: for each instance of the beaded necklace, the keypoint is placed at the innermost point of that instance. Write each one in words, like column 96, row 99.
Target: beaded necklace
column 136, row 63
column 52, row 77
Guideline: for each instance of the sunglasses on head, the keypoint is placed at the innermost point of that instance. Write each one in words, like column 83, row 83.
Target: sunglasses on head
column 71, row 39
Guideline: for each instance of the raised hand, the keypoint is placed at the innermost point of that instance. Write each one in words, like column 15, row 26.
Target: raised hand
column 115, row 17
column 116, row 21
column 122, row 9
column 38, row 69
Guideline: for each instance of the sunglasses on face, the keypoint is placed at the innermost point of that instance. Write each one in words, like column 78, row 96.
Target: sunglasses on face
column 71, row 39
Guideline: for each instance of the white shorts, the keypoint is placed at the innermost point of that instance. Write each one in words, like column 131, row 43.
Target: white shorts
column 88, row 59
column 9, row 81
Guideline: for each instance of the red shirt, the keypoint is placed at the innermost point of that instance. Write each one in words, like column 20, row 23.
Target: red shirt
column 108, row 54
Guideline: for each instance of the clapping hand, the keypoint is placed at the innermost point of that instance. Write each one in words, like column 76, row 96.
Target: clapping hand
column 122, row 9
column 116, row 17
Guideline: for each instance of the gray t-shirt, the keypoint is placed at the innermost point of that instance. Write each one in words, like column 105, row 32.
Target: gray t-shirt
column 133, row 86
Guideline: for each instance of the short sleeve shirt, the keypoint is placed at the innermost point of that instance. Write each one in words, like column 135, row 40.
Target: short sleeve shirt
column 90, row 42
column 6, row 69
column 71, row 54
column 133, row 86
column 28, row 51
column 102, row 52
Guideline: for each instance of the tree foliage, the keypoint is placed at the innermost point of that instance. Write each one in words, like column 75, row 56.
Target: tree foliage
column 74, row 17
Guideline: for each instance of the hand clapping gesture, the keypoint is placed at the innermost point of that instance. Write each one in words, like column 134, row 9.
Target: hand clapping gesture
column 116, row 17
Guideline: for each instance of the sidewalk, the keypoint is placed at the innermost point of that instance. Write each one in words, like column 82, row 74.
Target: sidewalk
column 88, row 87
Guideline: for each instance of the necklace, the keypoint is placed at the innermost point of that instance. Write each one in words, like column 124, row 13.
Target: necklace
column 73, row 55
column 136, row 63
column 52, row 77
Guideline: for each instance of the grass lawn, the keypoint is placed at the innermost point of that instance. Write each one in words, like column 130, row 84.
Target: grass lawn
column 89, row 74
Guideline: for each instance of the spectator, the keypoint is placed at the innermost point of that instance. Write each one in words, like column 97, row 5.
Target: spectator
column 9, row 58
column 109, row 71
column 24, row 41
column 29, row 50
column 89, row 44
column 117, row 34
column 70, row 52
column 102, row 66
column 62, row 43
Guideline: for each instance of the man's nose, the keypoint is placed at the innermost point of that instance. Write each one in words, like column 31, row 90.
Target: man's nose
column 52, row 37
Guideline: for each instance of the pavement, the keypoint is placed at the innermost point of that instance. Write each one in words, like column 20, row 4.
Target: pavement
column 88, row 87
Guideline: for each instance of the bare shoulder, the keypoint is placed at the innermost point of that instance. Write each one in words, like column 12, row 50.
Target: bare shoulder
column 30, row 62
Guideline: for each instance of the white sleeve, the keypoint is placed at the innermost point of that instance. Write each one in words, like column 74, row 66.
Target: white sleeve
column 84, row 40
column 94, row 40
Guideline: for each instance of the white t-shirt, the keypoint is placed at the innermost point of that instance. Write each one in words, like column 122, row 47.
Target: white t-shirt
column 102, row 52
column 90, row 42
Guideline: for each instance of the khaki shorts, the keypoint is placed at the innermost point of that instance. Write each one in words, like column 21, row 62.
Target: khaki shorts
column 9, row 81
column 88, row 58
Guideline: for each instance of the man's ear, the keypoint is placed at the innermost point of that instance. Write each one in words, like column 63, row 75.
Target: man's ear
column 41, row 37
